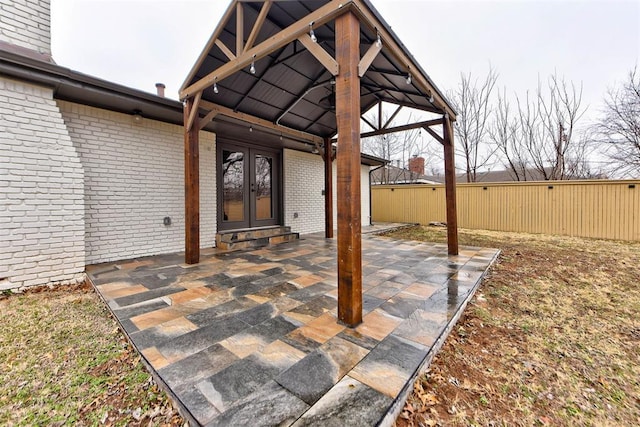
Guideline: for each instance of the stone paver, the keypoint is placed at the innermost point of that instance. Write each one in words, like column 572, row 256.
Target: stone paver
column 251, row 337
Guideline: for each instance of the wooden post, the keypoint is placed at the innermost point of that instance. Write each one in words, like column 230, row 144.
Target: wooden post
column 191, row 186
column 348, row 177
column 450, row 187
column 328, row 189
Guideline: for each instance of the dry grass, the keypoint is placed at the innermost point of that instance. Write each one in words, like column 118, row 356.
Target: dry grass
column 63, row 361
column 551, row 338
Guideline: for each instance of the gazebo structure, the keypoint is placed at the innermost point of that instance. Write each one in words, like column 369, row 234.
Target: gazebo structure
column 304, row 72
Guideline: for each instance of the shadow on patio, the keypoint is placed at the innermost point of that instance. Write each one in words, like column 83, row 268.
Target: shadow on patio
column 251, row 336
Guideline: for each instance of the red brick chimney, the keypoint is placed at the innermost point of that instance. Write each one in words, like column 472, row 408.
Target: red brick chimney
column 160, row 88
column 416, row 165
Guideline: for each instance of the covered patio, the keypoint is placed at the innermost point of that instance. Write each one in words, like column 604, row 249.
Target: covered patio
column 252, row 338
column 302, row 74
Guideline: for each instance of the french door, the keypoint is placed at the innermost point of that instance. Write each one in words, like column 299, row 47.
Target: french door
column 248, row 187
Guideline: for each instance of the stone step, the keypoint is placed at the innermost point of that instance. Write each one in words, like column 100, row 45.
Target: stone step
column 238, row 235
column 257, row 242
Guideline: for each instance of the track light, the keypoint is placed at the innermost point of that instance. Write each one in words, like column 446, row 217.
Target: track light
column 409, row 78
column 215, row 86
column 252, row 69
column 312, row 34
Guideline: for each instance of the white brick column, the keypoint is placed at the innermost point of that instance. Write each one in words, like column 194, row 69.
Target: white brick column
column 41, row 191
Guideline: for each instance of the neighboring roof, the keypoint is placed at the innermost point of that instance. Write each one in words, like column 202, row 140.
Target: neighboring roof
column 395, row 175
column 290, row 86
column 84, row 89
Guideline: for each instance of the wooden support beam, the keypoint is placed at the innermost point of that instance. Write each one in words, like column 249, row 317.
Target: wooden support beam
column 364, row 119
column 320, row 16
column 211, row 107
column 223, row 47
column 320, row 54
column 393, row 116
column 434, row 134
column 402, row 128
column 328, row 189
column 368, row 58
column 191, row 187
column 205, row 121
column 450, row 187
column 194, row 111
column 239, row 29
column 258, row 25
column 348, row 162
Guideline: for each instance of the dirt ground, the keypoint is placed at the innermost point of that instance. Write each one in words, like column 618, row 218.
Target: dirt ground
column 551, row 338
column 63, row 361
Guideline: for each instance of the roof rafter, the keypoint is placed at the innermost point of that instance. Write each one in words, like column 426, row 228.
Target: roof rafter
column 321, row 16
column 362, row 10
column 257, row 26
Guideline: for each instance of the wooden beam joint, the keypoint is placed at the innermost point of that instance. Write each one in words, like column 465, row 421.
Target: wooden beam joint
column 368, row 58
column 320, row 54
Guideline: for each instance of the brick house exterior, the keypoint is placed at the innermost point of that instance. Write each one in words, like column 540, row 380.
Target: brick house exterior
column 83, row 181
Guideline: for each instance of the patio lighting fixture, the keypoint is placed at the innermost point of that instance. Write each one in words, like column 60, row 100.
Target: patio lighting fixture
column 252, row 70
column 137, row 116
column 312, row 34
column 431, row 98
column 215, row 86
column 409, row 77
column 250, row 128
column 379, row 41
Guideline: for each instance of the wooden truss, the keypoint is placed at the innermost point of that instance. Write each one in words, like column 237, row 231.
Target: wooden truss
column 347, row 68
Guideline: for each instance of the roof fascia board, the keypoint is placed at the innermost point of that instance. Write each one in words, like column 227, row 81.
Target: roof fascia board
column 320, row 16
column 55, row 76
column 219, row 109
column 363, row 9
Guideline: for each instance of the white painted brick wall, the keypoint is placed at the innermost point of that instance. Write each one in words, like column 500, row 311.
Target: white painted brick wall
column 365, row 211
column 41, row 191
column 134, row 177
column 304, row 182
column 303, row 185
column 26, row 23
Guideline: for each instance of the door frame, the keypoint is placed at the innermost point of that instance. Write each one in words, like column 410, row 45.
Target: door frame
column 250, row 151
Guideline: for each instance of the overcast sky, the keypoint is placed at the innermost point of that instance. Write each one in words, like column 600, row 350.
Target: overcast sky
column 138, row 43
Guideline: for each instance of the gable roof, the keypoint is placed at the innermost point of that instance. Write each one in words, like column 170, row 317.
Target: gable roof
column 291, row 86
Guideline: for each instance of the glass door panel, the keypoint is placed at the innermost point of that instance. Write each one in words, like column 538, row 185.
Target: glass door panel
column 263, row 187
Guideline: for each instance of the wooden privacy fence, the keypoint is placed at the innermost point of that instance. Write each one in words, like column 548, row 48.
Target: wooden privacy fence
column 595, row 208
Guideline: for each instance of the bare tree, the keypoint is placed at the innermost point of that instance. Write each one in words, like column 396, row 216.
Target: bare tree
column 559, row 110
column 505, row 133
column 472, row 100
column 619, row 127
column 541, row 140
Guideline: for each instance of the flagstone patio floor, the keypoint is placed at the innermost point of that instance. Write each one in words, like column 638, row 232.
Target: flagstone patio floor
column 251, row 337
